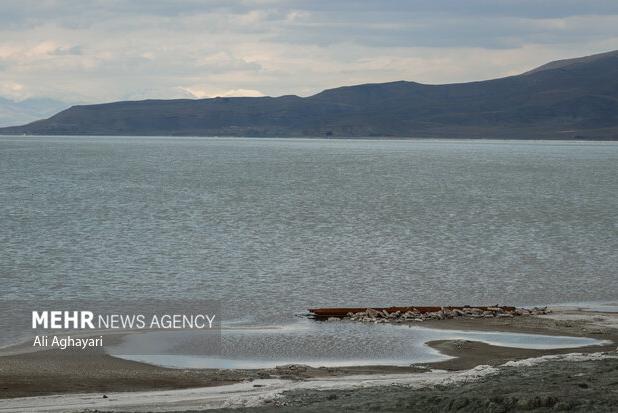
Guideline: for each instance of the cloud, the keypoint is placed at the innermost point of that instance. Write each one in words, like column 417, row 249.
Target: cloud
column 12, row 90
column 66, row 51
column 240, row 93
column 93, row 50
column 201, row 93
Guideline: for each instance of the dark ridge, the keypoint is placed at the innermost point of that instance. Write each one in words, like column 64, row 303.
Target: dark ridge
column 566, row 99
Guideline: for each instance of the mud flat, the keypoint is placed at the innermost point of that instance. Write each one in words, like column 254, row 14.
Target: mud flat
column 79, row 380
column 565, row 383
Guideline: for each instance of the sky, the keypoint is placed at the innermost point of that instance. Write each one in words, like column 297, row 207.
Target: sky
column 89, row 51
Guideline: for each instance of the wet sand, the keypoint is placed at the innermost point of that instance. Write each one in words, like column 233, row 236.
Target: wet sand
column 61, row 372
column 57, row 372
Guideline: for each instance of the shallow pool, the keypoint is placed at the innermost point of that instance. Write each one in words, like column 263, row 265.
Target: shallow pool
column 340, row 343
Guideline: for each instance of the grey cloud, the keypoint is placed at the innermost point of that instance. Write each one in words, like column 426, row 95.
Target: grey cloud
column 428, row 31
column 107, row 50
column 503, row 8
column 78, row 13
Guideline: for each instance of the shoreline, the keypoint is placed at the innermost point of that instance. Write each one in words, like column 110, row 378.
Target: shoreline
column 54, row 372
column 369, row 393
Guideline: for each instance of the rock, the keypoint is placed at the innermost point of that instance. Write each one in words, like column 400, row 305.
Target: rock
column 383, row 316
column 372, row 313
column 539, row 310
column 293, row 367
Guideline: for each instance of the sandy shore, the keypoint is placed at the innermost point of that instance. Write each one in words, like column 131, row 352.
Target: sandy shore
column 95, row 373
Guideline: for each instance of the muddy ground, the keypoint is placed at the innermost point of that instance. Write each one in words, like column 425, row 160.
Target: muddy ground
column 583, row 386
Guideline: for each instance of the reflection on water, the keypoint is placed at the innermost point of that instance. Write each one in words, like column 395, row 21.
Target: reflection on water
column 330, row 344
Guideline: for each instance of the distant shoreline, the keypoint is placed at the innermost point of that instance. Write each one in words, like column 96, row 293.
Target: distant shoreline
column 335, row 138
column 573, row 98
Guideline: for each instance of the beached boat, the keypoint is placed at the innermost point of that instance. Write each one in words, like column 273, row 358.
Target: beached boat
column 340, row 312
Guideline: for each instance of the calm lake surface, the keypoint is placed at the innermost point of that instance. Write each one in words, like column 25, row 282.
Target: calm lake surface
column 273, row 226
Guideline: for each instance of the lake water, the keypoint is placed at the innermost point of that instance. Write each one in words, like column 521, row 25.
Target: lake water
column 271, row 227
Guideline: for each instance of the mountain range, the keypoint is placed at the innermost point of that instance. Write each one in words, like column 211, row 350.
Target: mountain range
column 566, row 99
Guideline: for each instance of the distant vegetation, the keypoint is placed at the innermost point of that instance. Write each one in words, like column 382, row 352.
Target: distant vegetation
column 568, row 99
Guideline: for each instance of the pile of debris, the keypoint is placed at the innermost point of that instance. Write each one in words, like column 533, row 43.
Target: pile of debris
column 383, row 316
